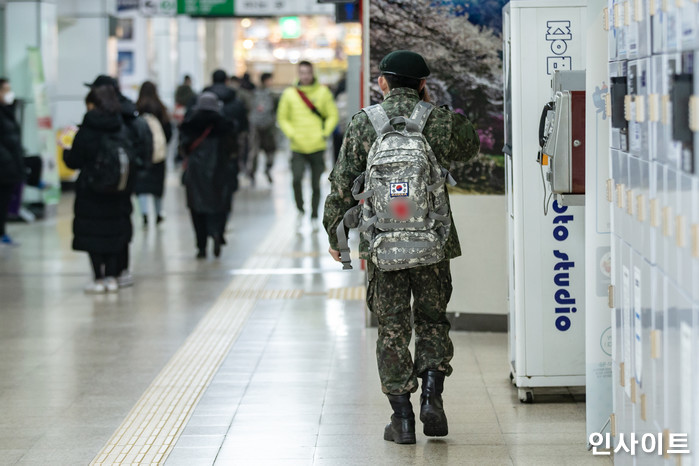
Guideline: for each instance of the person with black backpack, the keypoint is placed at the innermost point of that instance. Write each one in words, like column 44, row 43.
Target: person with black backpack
column 210, row 169
column 141, row 141
column 102, row 151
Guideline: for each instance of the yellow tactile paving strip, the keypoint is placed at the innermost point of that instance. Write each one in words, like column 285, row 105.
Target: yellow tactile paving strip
column 357, row 293
column 153, row 426
column 268, row 294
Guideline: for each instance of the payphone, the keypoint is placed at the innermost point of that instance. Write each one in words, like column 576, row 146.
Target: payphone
column 562, row 140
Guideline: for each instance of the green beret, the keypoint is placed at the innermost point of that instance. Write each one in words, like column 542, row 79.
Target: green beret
column 405, row 63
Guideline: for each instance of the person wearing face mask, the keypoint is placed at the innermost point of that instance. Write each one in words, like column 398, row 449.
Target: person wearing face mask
column 11, row 154
column 308, row 116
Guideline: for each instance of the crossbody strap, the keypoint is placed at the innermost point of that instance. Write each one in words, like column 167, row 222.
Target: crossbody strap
column 309, row 104
column 200, row 139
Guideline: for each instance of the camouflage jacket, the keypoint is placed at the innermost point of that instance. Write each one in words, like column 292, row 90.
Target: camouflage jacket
column 451, row 136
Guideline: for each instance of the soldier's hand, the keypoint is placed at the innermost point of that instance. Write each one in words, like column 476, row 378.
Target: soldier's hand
column 335, row 254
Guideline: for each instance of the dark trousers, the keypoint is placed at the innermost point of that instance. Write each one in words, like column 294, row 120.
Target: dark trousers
column 261, row 139
column 243, row 149
column 124, row 259
column 206, row 225
column 105, row 265
column 298, row 168
column 6, row 191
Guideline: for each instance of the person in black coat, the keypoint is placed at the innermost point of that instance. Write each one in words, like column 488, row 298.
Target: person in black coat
column 208, row 139
column 11, row 154
column 150, row 180
column 102, row 224
column 141, row 141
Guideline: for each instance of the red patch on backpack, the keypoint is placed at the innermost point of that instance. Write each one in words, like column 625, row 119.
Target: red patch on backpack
column 400, row 209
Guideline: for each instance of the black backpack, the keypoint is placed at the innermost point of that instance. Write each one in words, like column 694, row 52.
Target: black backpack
column 108, row 172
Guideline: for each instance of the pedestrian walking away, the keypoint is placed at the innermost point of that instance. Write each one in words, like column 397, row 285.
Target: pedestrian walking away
column 210, row 169
column 263, row 119
column 150, row 179
column 184, row 99
column 141, row 141
column 102, row 151
column 407, row 235
column 307, row 115
column 234, row 109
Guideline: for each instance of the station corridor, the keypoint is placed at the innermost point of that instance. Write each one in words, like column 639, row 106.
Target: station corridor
column 259, row 357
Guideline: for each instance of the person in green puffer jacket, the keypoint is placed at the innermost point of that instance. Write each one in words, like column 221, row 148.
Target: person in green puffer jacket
column 308, row 116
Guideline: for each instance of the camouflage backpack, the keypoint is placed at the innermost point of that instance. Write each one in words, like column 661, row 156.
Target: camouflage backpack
column 405, row 214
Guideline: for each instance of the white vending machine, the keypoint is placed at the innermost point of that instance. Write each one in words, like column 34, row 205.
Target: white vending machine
column 546, row 232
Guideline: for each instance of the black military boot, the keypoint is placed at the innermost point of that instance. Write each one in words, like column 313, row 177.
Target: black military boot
column 401, row 429
column 431, row 408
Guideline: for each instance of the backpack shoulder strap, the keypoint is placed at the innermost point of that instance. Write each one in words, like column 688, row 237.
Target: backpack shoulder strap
column 421, row 113
column 378, row 118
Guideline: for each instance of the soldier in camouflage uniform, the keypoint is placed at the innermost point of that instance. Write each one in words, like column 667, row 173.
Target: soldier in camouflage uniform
column 452, row 138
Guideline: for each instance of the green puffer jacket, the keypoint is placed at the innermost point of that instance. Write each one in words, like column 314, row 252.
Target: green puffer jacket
column 305, row 130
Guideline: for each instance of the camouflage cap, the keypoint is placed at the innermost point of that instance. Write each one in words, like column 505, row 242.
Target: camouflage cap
column 405, row 63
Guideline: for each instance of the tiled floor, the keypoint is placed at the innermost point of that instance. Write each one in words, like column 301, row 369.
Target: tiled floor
column 298, row 386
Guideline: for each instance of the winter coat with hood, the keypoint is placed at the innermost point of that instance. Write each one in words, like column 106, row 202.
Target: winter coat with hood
column 211, row 173
column 102, row 222
column 11, row 151
column 233, row 107
column 306, row 131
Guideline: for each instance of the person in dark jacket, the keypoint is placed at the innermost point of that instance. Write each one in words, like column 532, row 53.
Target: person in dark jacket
column 150, row 179
column 209, row 175
column 184, row 93
column 102, row 225
column 11, row 155
column 185, row 98
column 141, row 140
column 235, row 108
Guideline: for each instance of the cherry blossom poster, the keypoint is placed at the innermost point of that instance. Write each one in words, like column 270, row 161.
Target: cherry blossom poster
column 461, row 41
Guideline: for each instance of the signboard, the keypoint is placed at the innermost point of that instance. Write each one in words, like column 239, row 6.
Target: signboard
column 158, row 7
column 290, row 26
column 124, row 5
column 205, row 7
column 242, row 8
column 347, row 12
column 282, row 8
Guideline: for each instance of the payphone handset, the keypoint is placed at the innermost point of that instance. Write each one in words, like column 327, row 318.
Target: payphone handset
column 562, row 137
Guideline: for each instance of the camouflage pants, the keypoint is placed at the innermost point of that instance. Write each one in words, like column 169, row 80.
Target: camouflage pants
column 388, row 296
